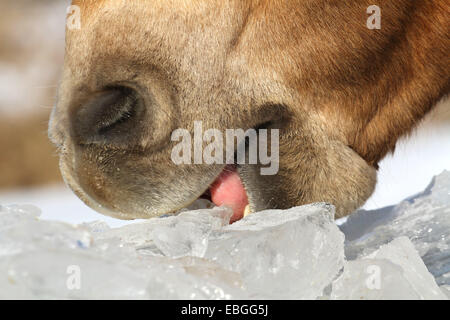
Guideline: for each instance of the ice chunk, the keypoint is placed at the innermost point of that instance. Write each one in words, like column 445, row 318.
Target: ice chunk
column 46, row 274
column 267, row 237
column 21, row 232
column 395, row 271
column 279, row 254
column 362, row 279
column 424, row 219
column 10, row 215
column 402, row 252
column 291, row 254
column 274, row 254
column 186, row 234
column 43, row 259
column 446, row 290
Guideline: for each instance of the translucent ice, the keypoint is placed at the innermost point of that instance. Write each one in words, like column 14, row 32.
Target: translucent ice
column 291, row 254
column 395, row 271
column 274, row 254
column 186, row 234
column 42, row 259
column 189, row 256
column 424, row 219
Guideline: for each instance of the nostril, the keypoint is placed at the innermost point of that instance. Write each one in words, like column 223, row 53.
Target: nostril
column 105, row 116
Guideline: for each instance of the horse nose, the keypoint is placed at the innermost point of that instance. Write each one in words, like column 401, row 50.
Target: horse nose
column 107, row 117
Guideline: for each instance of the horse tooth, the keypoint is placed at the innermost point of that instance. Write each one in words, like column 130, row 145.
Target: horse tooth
column 247, row 210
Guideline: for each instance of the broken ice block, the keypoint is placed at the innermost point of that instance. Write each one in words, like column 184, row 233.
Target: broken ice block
column 50, row 260
column 282, row 254
column 188, row 233
column 176, row 236
column 423, row 218
column 395, row 271
column 278, row 254
column 446, row 290
column 10, row 215
column 372, row 279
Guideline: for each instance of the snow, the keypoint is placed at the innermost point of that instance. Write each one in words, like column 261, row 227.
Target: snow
column 58, row 203
column 417, row 158
column 399, row 252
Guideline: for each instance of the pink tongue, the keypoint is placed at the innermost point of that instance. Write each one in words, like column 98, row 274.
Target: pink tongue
column 228, row 190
